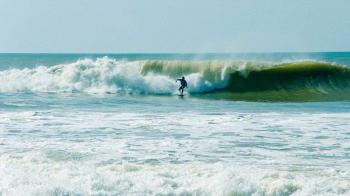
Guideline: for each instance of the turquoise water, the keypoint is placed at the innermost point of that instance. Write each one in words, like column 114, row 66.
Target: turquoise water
column 107, row 124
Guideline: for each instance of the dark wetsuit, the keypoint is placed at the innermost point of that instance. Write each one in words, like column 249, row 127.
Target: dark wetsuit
column 183, row 85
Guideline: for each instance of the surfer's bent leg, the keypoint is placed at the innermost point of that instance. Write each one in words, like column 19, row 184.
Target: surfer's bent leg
column 182, row 90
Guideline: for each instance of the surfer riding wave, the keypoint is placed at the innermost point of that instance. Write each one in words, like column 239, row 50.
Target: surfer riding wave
column 183, row 84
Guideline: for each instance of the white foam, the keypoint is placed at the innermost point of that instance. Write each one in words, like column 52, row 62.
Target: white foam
column 104, row 75
column 35, row 175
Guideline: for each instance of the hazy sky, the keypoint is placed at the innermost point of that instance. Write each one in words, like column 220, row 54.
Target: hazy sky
column 118, row 26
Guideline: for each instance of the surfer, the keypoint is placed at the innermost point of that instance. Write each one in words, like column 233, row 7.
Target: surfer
column 183, row 84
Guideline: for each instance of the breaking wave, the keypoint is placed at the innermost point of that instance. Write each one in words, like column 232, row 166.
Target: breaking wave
column 305, row 80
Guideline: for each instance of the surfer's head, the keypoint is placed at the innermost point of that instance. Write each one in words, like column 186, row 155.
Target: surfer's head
column 183, row 77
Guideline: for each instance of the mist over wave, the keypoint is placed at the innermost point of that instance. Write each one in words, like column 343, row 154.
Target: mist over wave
column 242, row 80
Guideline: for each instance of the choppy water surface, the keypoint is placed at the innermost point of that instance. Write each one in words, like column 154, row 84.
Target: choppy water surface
column 89, row 128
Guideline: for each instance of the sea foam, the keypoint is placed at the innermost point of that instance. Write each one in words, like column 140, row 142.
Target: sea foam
column 103, row 75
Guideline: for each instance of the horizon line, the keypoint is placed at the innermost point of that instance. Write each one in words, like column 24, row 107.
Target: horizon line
column 171, row 53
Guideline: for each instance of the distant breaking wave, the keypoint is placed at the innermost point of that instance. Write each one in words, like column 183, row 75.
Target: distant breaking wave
column 235, row 80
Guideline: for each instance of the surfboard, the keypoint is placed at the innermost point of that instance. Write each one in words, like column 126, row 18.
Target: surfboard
column 181, row 95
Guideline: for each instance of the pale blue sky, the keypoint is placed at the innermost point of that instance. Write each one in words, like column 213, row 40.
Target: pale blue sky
column 115, row 26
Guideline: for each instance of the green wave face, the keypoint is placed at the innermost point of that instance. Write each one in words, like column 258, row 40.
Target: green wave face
column 253, row 81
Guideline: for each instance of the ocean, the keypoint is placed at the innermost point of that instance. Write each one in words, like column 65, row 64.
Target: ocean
column 113, row 124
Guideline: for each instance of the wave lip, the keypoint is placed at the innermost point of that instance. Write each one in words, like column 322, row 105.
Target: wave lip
column 297, row 81
column 305, row 80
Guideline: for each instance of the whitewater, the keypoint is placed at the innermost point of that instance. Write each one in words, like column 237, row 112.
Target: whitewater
column 112, row 124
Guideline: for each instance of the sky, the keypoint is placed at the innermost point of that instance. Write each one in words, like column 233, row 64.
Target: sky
column 180, row 26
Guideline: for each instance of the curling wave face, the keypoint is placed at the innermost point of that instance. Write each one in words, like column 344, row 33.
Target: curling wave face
column 236, row 80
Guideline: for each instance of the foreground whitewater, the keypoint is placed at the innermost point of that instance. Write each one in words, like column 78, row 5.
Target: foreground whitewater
column 114, row 125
